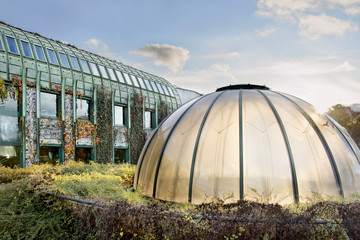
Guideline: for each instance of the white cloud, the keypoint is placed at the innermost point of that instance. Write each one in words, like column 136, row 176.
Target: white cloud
column 313, row 27
column 101, row 48
column 265, row 33
column 172, row 57
column 350, row 7
column 223, row 55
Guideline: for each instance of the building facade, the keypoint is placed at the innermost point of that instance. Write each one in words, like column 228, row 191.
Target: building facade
column 61, row 103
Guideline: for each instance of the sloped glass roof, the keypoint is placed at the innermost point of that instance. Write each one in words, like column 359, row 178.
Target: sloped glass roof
column 248, row 143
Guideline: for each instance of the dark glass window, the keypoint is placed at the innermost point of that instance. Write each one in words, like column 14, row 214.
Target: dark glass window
column 94, row 69
column 49, row 104
column 85, row 66
column 49, row 155
column 83, row 154
column 119, row 156
column 12, row 45
column 26, row 48
column 40, row 53
column 9, row 156
column 64, row 61
column 74, row 63
column 119, row 116
column 52, row 56
column 83, row 109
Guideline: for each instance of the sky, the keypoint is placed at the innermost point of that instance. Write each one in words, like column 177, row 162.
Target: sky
column 307, row 48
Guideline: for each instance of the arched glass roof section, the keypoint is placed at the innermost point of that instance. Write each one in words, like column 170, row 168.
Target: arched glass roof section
column 248, row 142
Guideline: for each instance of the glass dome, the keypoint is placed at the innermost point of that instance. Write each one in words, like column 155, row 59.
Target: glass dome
column 247, row 142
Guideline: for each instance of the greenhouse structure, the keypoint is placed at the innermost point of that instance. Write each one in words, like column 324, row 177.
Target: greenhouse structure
column 60, row 103
column 246, row 142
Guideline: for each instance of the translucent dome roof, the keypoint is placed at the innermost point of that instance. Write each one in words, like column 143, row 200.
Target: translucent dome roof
column 247, row 142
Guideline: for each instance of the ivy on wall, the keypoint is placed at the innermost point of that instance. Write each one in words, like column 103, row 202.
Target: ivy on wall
column 104, row 143
column 163, row 110
column 137, row 135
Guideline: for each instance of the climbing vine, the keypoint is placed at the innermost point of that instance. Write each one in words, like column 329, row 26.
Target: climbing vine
column 163, row 110
column 137, row 135
column 104, row 143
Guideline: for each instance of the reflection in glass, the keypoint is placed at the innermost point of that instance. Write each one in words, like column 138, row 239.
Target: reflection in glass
column 103, row 72
column 12, row 45
column 141, row 83
column 94, row 69
column 9, row 129
column 120, row 77
column 40, row 53
column 9, row 105
column 83, row 155
column 148, row 123
column 127, row 78
column 148, row 85
column 112, row 75
column 159, row 87
column 119, row 115
column 154, row 86
column 9, row 156
column 49, row 104
column 170, row 90
column 85, row 66
column 64, row 61
column 74, row 63
column 26, row 48
column 52, row 56
column 49, row 155
column 83, row 109
column 119, row 156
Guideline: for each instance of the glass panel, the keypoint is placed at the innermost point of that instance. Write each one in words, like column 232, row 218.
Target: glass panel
column 120, row 77
column 120, row 156
column 26, row 48
column 9, row 156
column 111, row 73
column 267, row 173
column 83, row 109
column 1, row 46
column 75, row 63
column 52, row 56
column 159, row 87
column 64, row 61
column 9, row 129
column 94, row 69
column 141, row 83
column 154, row 86
column 119, row 115
column 171, row 91
column 135, row 81
column 148, row 85
column 49, row 104
column 84, row 66
column 148, row 120
column 166, row 90
column 127, row 78
column 103, row 72
column 313, row 169
column 9, row 105
column 40, row 53
column 83, row 155
column 49, row 155
column 12, row 45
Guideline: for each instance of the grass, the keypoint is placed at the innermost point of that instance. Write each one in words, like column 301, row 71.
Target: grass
column 27, row 211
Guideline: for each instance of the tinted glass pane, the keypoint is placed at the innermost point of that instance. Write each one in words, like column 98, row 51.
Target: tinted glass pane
column 64, row 61
column 12, row 45
column 9, row 105
column 120, row 77
column 111, row 73
column 52, row 56
column 26, row 48
column 83, row 155
column 9, row 129
column 40, row 53
column 9, row 156
column 82, row 109
column 120, row 156
column 119, row 115
column 48, row 104
column 84, row 66
column 74, row 63
column 49, row 155
column 103, row 72
column 94, row 69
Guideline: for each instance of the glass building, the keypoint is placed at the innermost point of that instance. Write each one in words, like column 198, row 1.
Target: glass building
column 49, row 74
column 247, row 142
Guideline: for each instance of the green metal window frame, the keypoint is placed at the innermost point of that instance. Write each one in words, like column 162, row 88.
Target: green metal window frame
column 16, row 45
column 58, row 104
column 22, row 42
column 61, row 150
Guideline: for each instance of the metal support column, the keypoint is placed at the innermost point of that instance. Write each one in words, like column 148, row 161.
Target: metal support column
column 38, row 104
